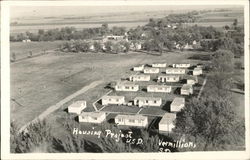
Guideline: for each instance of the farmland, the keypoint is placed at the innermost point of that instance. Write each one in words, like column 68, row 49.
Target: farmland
column 40, row 82
column 217, row 19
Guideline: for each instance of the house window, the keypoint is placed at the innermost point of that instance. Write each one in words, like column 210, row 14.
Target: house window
column 132, row 87
column 131, row 120
column 117, row 100
column 110, row 100
column 174, row 78
column 155, row 101
column 95, row 118
column 120, row 120
column 83, row 117
column 126, row 87
column 146, row 101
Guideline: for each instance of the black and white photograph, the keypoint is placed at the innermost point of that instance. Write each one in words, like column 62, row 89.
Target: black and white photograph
column 162, row 78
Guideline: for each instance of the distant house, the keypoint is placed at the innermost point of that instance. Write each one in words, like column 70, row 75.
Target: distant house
column 175, row 71
column 177, row 104
column 92, row 117
column 197, row 71
column 159, row 88
column 132, row 120
column 147, row 101
column 159, row 65
column 135, row 46
column 188, row 47
column 26, row 40
column 181, row 65
column 186, row 89
column 167, row 122
column 139, row 77
column 113, row 100
column 169, row 78
column 114, row 38
column 138, row 68
column 192, row 80
column 151, row 70
column 126, row 86
column 92, row 47
column 77, row 107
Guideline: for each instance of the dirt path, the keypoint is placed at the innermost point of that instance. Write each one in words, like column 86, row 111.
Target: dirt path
column 203, row 84
column 51, row 109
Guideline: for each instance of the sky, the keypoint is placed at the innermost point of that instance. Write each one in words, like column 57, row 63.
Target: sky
column 45, row 11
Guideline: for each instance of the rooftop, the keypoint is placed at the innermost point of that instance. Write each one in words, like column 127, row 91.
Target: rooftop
column 135, row 117
column 155, row 86
column 126, row 83
column 148, row 98
column 186, row 86
column 77, row 104
column 107, row 97
column 170, row 76
column 168, row 118
column 92, row 114
column 197, row 68
column 178, row 101
column 140, row 75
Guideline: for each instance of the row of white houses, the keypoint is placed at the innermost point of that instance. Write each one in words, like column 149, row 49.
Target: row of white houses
column 132, row 87
column 138, row 101
column 166, row 123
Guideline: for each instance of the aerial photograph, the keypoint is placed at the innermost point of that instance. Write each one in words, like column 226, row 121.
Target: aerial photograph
column 127, row 79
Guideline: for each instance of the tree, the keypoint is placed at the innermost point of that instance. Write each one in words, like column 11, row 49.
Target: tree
column 126, row 45
column 212, row 121
column 116, row 48
column 97, row 46
column 108, row 46
column 104, row 28
column 223, row 61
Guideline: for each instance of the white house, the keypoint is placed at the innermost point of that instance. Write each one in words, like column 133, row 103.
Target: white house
column 147, row 101
column 192, row 80
column 138, row 68
column 159, row 88
column 167, row 122
column 188, row 46
column 160, row 65
column 186, row 89
column 151, row 70
column 182, row 65
column 132, row 120
column 139, row 77
column 26, row 40
column 175, row 71
column 114, row 38
column 92, row 117
column 169, row 78
column 197, row 71
column 126, row 86
column 77, row 107
column 135, row 46
column 177, row 104
column 113, row 100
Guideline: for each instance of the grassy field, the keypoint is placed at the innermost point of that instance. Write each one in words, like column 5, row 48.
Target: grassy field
column 22, row 49
column 40, row 82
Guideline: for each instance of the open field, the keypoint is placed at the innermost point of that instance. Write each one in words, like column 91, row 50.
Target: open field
column 40, row 82
column 128, row 20
column 22, row 49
